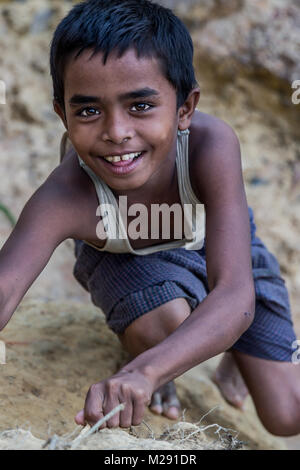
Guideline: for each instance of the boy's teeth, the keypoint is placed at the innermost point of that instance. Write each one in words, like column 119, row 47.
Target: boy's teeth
column 129, row 156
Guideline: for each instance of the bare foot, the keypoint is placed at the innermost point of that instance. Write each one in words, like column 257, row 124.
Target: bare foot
column 230, row 382
column 165, row 402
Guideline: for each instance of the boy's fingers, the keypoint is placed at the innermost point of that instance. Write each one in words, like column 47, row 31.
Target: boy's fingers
column 92, row 411
column 126, row 415
column 138, row 412
column 79, row 418
column 114, row 421
column 93, row 407
column 92, row 415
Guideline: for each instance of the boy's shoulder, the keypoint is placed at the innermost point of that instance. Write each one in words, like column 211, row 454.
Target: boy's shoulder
column 68, row 190
column 69, row 180
column 208, row 128
column 214, row 148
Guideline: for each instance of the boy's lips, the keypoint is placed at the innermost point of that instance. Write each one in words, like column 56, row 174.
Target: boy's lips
column 122, row 167
column 119, row 154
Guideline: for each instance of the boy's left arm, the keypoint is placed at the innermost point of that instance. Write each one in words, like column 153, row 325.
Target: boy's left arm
column 228, row 310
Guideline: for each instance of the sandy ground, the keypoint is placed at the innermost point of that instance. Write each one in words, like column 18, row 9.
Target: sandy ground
column 56, row 350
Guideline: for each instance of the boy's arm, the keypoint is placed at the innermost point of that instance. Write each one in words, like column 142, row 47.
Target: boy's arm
column 46, row 220
column 228, row 310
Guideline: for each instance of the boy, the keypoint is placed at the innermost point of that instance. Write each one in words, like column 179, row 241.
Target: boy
column 125, row 90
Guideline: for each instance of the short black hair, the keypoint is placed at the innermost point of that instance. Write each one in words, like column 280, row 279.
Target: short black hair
column 118, row 25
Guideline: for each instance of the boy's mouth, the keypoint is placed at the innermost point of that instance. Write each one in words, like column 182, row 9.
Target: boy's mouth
column 123, row 164
column 122, row 160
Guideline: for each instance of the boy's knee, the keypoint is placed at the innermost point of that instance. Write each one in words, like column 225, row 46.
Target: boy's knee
column 283, row 426
column 285, row 420
column 159, row 322
column 170, row 315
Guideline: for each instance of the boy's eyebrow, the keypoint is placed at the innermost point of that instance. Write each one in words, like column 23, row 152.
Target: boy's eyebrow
column 83, row 99
column 141, row 93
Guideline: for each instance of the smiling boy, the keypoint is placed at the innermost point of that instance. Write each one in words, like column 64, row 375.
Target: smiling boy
column 125, row 90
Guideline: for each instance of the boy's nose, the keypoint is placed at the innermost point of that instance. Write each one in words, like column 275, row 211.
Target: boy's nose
column 116, row 130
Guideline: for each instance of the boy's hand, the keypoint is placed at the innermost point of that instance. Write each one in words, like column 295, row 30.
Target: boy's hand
column 131, row 388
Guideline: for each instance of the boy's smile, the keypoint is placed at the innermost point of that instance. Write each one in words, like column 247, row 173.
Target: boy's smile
column 122, row 120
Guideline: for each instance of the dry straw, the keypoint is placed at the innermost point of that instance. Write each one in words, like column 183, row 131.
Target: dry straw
column 182, row 434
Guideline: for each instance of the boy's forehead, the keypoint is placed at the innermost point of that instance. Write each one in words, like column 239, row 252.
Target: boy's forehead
column 128, row 72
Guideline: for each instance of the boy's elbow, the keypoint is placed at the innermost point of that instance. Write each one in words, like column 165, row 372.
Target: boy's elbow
column 246, row 296
column 241, row 303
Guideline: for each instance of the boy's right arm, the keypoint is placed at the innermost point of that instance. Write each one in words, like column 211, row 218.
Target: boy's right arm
column 47, row 219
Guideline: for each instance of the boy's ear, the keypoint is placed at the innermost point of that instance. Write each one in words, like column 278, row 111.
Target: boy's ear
column 187, row 110
column 61, row 113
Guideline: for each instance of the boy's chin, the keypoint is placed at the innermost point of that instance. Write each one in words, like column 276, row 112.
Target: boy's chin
column 126, row 185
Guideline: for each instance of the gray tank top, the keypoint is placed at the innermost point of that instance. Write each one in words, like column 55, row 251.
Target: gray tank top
column 193, row 240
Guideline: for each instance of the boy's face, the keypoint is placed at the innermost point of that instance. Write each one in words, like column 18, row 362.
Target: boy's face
column 126, row 106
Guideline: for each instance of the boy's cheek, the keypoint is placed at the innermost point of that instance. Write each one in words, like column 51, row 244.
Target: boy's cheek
column 80, row 140
column 78, row 148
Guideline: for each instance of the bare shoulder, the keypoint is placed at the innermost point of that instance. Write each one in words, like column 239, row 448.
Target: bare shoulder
column 209, row 127
column 69, row 197
column 214, row 152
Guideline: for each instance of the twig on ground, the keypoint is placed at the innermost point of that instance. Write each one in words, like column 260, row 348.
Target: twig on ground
column 56, row 442
column 53, row 442
column 95, row 428
column 149, row 428
column 206, row 414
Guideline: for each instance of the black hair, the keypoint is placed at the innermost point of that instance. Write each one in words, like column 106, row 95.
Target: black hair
column 118, row 25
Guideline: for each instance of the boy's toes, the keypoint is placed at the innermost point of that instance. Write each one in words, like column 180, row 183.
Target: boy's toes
column 156, row 403
column 230, row 382
column 164, row 401
column 231, row 392
column 172, row 410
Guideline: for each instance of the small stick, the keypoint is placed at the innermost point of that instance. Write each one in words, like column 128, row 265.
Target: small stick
column 96, row 426
column 208, row 412
column 53, row 442
column 150, row 429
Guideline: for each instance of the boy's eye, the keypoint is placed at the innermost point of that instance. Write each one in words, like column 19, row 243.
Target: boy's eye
column 142, row 106
column 87, row 112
